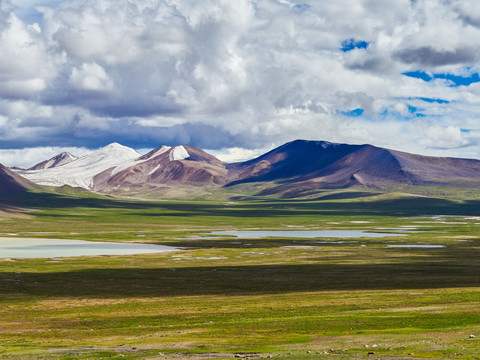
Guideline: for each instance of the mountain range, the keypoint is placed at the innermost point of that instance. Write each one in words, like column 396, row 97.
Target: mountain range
column 294, row 168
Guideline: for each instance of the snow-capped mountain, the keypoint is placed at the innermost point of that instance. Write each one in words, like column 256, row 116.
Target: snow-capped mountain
column 116, row 165
column 180, row 165
column 80, row 172
column 58, row 160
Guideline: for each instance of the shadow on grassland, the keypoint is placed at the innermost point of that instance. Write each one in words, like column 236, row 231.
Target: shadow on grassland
column 409, row 206
column 44, row 200
column 237, row 280
column 393, row 207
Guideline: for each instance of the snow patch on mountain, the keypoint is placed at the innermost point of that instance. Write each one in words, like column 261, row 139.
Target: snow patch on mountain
column 154, row 169
column 178, row 153
column 80, row 173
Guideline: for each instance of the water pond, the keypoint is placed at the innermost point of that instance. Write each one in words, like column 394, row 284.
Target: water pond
column 309, row 234
column 52, row 248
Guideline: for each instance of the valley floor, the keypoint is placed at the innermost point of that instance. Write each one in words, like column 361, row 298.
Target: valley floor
column 227, row 297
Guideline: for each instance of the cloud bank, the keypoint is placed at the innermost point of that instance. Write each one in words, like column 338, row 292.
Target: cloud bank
column 244, row 74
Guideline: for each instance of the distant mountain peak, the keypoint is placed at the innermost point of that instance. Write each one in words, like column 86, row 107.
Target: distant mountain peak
column 116, row 147
column 113, row 145
column 56, row 161
column 322, row 143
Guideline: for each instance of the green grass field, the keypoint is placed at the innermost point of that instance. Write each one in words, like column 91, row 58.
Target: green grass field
column 286, row 298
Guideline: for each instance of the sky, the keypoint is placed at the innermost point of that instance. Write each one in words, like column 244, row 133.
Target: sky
column 238, row 77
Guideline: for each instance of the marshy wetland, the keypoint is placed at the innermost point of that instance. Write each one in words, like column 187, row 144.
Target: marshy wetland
column 394, row 297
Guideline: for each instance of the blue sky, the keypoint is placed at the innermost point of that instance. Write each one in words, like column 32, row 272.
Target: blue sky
column 238, row 77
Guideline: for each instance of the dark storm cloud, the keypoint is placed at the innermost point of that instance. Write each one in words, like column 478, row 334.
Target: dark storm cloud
column 200, row 135
column 428, row 56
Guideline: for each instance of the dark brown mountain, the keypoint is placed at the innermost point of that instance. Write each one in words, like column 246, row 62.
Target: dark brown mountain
column 177, row 166
column 317, row 164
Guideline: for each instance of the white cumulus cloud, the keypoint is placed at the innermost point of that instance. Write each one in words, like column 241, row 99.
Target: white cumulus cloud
column 91, row 77
column 25, row 66
column 244, row 74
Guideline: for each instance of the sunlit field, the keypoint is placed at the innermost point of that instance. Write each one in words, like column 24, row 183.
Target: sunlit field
column 222, row 297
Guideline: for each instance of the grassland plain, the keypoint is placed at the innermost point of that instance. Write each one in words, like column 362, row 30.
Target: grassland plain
column 286, row 298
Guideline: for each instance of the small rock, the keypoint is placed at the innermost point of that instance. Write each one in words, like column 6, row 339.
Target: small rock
column 374, row 345
column 366, row 346
column 308, row 352
column 370, row 353
column 472, row 336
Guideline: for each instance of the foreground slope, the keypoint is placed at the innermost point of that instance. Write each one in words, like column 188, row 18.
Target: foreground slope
column 12, row 184
column 14, row 190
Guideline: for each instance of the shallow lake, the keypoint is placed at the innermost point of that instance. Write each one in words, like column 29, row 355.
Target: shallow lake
column 305, row 234
column 51, row 248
